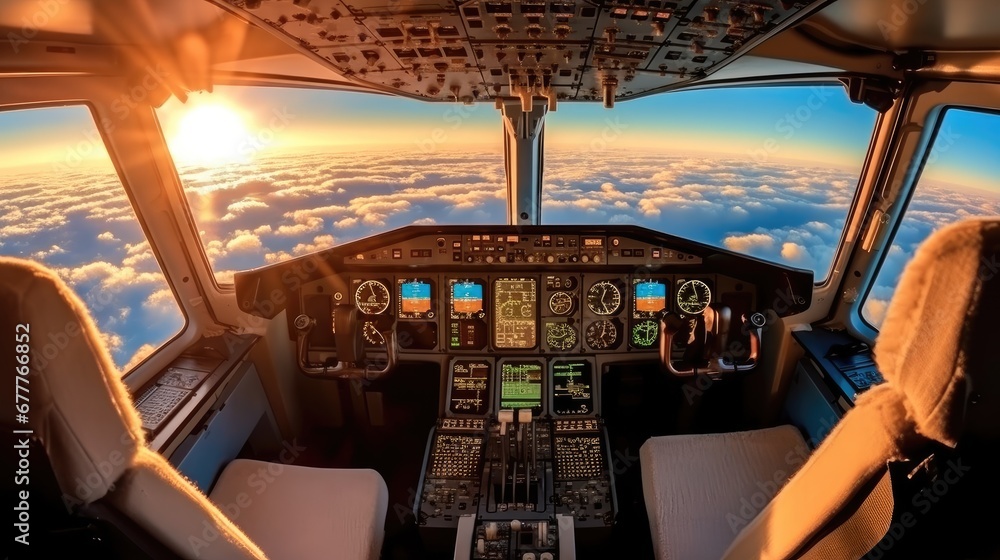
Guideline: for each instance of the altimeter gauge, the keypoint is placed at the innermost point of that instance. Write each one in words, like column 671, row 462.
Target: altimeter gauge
column 604, row 298
column 693, row 297
column 602, row 334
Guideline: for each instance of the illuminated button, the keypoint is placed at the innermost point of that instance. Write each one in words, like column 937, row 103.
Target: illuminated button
column 397, row 253
column 584, row 258
column 656, row 253
column 550, row 258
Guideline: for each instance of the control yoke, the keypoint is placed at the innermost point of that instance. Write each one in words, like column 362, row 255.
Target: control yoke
column 708, row 341
column 350, row 348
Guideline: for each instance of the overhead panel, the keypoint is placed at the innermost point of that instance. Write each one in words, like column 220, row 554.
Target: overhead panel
column 477, row 50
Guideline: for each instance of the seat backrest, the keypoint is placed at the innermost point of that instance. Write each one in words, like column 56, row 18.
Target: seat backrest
column 939, row 388
column 82, row 413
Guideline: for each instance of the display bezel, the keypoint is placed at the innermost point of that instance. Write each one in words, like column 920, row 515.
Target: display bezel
column 594, row 386
column 401, row 282
column 494, row 315
column 490, row 390
column 543, row 405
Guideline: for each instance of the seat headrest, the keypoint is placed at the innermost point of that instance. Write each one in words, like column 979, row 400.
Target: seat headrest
column 79, row 408
column 934, row 338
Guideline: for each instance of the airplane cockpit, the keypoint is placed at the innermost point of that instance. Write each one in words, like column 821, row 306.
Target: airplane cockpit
column 500, row 279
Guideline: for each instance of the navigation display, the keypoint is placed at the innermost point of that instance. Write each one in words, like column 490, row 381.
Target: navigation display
column 415, row 299
column 470, row 387
column 514, row 313
column 466, row 299
column 571, row 387
column 521, row 384
column 650, row 297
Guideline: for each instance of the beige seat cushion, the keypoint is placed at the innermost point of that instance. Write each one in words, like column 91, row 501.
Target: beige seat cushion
column 701, row 490
column 302, row 513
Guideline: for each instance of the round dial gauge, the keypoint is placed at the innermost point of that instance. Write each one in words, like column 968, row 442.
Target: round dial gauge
column 604, row 298
column 602, row 334
column 371, row 334
column 561, row 303
column 644, row 333
column 560, row 336
column 693, row 297
column 371, row 297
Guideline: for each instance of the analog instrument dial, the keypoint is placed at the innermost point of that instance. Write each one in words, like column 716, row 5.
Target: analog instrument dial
column 604, row 298
column 372, row 335
column 602, row 334
column 561, row 303
column 372, row 297
column 693, row 297
column 645, row 333
column 560, row 336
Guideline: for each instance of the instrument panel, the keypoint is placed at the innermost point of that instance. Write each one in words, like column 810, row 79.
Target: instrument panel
column 561, row 313
column 550, row 303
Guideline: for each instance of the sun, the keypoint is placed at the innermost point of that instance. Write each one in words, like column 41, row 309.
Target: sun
column 211, row 134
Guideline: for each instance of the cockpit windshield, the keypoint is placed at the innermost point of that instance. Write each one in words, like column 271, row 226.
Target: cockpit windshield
column 272, row 173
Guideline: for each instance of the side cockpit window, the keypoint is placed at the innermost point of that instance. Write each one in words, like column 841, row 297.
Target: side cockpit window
column 958, row 181
column 62, row 204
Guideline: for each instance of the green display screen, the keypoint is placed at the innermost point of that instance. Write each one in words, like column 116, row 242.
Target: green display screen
column 521, row 385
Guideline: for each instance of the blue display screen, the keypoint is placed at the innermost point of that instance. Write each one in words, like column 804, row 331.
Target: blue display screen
column 650, row 296
column 416, row 297
column 467, row 297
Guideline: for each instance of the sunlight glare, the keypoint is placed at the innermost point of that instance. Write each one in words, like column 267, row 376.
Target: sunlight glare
column 211, row 134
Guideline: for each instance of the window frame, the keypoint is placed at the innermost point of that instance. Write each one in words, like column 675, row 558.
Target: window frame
column 95, row 115
column 852, row 216
column 907, row 150
column 939, row 115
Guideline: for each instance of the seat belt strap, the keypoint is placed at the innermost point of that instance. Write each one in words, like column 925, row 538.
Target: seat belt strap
column 862, row 529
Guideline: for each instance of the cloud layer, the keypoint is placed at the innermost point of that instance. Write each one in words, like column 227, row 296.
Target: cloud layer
column 80, row 222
